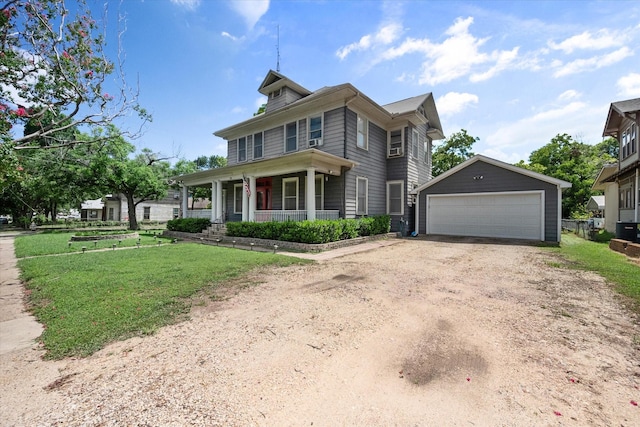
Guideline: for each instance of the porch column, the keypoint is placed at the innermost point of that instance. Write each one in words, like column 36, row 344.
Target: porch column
column 310, row 200
column 219, row 212
column 213, row 201
column 185, row 200
column 245, row 202
column 252, row 199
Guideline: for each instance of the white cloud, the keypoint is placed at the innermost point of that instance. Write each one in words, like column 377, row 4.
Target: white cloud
column 455, row 102
column 602, row 39
column 568, row 95
column 237, row 110
column 385, row 35
column 504, row 60
column 590, row 64
column 260, row 101
column 575, row 118
column 232, row 37
column 629, row 85
column 188, row 4
column 250, row 10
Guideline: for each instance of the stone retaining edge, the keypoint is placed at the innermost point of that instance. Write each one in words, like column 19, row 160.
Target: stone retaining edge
column 268, row 243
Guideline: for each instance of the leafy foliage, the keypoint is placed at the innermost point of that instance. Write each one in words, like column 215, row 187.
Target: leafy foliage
column 575, row 162
column 54, row 73
column 453, row 151
column 319, row 231
column 188, row 225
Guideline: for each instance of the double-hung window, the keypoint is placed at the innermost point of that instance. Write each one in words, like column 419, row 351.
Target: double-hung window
column 258, row 145
column 290, row 194
column 319, row 192
column 291, row 137
column 395, row 143
column 395, row 196
column 362, row 197
column 415, row 138
column 147, row 213
column 242, row 149
column 363, row 133
column 315, row 129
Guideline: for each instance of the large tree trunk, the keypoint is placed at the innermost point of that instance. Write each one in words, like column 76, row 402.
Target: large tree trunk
column 131, row 207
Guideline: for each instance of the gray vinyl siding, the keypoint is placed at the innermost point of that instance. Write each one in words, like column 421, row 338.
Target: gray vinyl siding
column 495, row 179
column 397, row 171
column 333, row 132
column 232, row 152
column 274, row 142
column 287, row 96
column 371, row 164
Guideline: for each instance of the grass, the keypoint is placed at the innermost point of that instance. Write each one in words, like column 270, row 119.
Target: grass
column 597, row 257
column 87, row 300
column 59, row 243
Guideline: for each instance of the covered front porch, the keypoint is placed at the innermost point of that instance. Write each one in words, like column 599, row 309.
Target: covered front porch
column 287, row 188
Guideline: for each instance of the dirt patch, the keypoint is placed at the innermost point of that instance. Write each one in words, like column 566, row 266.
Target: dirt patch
column 418, row 333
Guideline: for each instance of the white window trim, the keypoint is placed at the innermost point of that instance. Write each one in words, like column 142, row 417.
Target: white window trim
column 401, row 143
column 237, row 209
column 253, row 142
column 365, row 122
column 389, row 184
column 285, row 137
column 284, row 196
column 311, row 116
column 366, row 196
column 321, row 178
column 245, row 149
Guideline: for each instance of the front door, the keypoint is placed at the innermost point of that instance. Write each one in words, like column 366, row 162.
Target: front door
column 263, row 194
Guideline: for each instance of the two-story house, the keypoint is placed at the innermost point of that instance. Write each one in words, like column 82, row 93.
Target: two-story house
column 621, row 182
column 332, row 153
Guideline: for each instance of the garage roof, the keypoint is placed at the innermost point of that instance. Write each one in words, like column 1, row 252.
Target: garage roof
column 480, row 158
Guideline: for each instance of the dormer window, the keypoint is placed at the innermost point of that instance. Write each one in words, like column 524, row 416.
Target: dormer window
column 275, row 93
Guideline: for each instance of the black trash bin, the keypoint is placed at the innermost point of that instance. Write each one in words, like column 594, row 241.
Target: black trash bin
column 628, row 231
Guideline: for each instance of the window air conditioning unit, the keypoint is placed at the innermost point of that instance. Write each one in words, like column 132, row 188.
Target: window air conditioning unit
column 315, row 142
column 395, row 152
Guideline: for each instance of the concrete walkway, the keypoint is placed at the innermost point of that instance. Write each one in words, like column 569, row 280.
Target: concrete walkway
column 18, row 329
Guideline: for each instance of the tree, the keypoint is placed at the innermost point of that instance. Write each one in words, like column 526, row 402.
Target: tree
column 53, row 74
column 144, row 177
column 576, row 162
column 453, row 151
column 183, row 167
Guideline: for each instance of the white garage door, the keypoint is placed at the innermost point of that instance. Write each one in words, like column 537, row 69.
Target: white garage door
column 516, row 215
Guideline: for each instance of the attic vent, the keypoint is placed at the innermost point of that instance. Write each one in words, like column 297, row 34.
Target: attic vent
column 421, row 110
column 276, row 93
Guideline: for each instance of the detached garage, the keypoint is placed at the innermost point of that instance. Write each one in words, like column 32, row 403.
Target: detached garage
column 484, row 197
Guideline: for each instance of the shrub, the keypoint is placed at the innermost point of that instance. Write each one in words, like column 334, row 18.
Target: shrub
column 189, row 225
column 319, row 231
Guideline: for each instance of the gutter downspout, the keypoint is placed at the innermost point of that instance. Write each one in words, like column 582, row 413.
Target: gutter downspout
column 345, row 152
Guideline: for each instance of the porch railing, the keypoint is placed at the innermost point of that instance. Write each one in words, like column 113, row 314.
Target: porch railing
column 265, row 216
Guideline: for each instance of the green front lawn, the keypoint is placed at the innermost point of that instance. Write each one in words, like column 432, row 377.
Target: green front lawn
column 60, row 243
column 611, row 265
column 87, row 300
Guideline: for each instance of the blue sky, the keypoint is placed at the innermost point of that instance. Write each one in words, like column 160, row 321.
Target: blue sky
column 513, row 73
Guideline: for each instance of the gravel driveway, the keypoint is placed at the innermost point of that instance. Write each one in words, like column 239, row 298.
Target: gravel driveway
column 420, row 333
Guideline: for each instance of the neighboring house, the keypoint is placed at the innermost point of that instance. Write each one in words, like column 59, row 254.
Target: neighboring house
column 596, row 207
column 332, row 153
column 623, row 124
column 610, row 190
column 115, row 208
column 484, row 197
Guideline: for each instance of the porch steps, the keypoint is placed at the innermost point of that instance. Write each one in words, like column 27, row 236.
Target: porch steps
column 215, row 231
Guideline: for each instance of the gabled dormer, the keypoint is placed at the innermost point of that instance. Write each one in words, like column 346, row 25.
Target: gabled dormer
column 280, row 91
column 418, row 110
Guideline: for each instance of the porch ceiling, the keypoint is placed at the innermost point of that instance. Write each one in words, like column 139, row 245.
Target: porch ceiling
column 289, row 163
